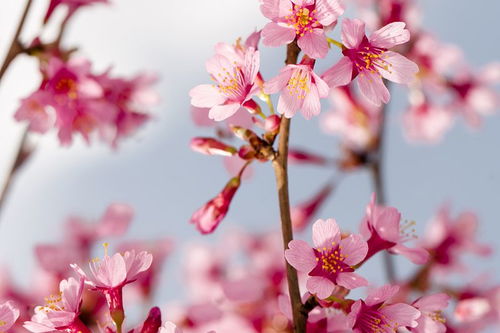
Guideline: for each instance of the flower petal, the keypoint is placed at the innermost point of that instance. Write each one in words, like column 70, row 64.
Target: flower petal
column 354, row 248
column 301, row 256
column 351, row 280
column 206, row 95
column 399, row 69
column 372, row 88
column 325, row 233
column 339, row 74
column 274, row 34
column 320, row 286
column 353, row 32
column 221, row 112
column 327, row 11
column 314, row 44
column 390, row 35
column 403, row 314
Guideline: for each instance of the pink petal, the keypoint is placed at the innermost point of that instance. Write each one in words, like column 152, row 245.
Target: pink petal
column 390, row 35
column 418, row 255
column 288, row 104
column 274, row 34
column 301, row 256
column 351, row 280
column 279, row 82
column 273, row 9
column 323, row 88
column 372, row 88
column 403, row 314
column 314, row 44
column 311, row 105
column 115, row 221
column 399, row 69
column 327, row 11
column 252, row 64
column 354, row 248
column 218, row 64
column 206, row 95
column 353, row 32
column 325, row 233
column 339, row 74
column 320, row 286
column 381, row 294
column 436, row 302
column 221, row 112
column 386, row 222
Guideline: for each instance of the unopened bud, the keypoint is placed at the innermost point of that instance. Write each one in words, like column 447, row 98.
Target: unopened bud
column 272, row 124
column 211, row 146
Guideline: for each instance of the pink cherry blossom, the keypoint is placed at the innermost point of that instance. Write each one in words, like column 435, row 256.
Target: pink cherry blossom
column 382, row 230
column 62, row 311
column 356, row 121
column 8, row 315
column 375, row 315
column 235, row 84
column 424, row 122
column 304, row 20
column 169, row 327
column 111, row 274
column 431, row 307
column 300, row 89
column 447, row 239
column 369, row 60
column 331, row 260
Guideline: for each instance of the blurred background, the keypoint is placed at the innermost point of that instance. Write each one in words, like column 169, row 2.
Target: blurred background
column 165, row 182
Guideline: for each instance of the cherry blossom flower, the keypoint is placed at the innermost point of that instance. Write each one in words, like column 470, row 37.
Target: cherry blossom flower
column 304, row 20
column 425, row 122
column 475, row 94
column 331, row 261
column 431, row 307
column 356, row 121
column 447, row 239
column 382, row 230
column 375, row 315
column 369, row 60
column 8, row 315
column 235, row 84
column 169, row 327
column 301, row 89
column 62, row 310
column 111, row 274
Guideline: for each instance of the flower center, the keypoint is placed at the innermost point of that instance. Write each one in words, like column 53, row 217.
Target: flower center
column 437, row 316
column 302, row 20
column 299, row 84
column 330, row 262
column 373, row 321
column 230, row 82
column 53, row 303
column 368, row 58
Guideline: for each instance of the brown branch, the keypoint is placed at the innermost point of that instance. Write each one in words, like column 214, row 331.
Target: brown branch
column 15, row 47
column 376, row 168
column 280, row 165
column 23, row 154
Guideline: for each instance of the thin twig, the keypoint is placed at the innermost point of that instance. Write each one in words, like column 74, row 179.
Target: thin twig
column 280, row 164
column 23, row 154
column 15, row 47
column 376, row 168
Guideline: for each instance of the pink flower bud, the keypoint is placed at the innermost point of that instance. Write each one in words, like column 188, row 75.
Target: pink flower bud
column 303, row 213
column 272, row 124
column 252, row 107
column 246, row 153
column 208, row 217
column 297, row 156
column 153, row 321
column 210, row 146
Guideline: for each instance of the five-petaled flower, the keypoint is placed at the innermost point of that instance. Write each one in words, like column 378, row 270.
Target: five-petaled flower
column 369, row 59
column 331, row 262
column 304, row 20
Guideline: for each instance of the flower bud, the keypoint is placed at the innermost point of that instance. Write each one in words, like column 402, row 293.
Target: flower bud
column 272, row 124
column 211, row 146
column 153, row 321
column 303, row 213
column 297, row 156
column 208, row 217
